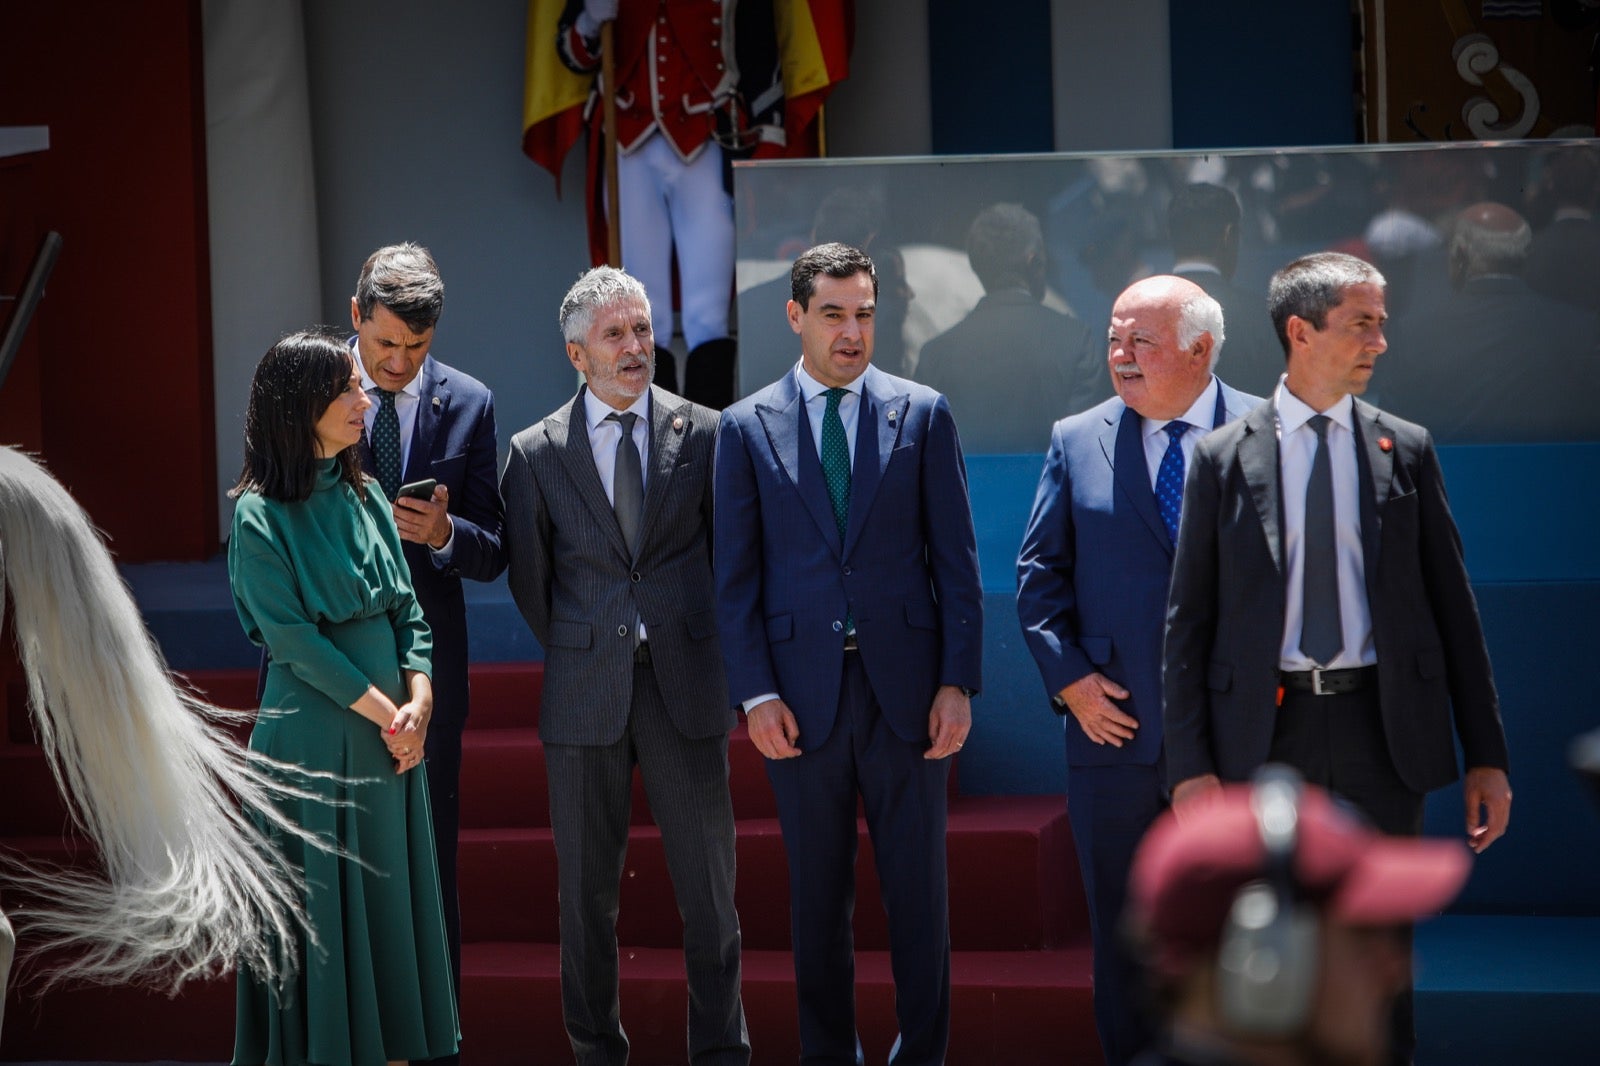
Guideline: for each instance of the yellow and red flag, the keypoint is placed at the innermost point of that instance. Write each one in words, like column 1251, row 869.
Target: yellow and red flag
column 814, row 38
column 552, row 96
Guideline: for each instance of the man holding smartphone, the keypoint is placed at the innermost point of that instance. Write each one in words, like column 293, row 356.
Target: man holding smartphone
column 431, row 423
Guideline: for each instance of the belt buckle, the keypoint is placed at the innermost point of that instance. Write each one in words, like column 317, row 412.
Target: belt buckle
column 1316, row 680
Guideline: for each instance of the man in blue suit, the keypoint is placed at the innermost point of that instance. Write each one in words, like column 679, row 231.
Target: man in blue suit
column 1092, row 594
column 429, row 420
column 850, row 612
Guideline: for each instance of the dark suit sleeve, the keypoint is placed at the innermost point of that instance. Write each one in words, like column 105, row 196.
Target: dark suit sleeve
column 479, row 516
column 528, row 542
column 1046, row 593
column 952, row 552
column 1191, row 625
column 736, row 533
column 1473, row 697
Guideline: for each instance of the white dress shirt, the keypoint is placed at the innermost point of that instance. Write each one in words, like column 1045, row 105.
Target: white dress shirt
column 1201, row 416
column 815, row 395
column 605, row 437
column 1297, row 445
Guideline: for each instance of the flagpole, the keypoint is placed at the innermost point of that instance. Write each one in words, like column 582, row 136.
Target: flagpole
column 609, row 97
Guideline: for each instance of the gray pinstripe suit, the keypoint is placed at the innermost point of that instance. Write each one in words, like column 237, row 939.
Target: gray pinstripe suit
column 580, row 591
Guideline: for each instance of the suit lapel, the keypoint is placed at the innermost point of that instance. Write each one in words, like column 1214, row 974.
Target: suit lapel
column 667, row 430
column 1123, row 445
column 1258, row 459
column 878, row 424
column 1375, row 472
column 433, row 400
column 570, row 438
column 789, row 433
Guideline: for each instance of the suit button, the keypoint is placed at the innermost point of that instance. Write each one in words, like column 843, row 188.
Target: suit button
column 847, row 571
column 622, row 631
column 838, row 627
column 637, row 577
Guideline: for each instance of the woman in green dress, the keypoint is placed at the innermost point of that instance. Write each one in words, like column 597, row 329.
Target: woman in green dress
column 319, row 580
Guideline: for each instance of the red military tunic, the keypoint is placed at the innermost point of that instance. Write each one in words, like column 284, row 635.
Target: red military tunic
column 675, row 69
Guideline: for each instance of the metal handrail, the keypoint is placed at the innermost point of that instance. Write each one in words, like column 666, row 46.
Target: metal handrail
column 28, row 299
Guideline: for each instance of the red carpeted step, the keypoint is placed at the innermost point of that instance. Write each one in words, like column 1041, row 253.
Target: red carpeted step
column 1012, row 883
column 503, row 782
column 505, row 695
column 1016, row 1008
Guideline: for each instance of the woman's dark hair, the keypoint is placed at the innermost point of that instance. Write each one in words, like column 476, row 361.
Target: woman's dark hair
column 293, row 385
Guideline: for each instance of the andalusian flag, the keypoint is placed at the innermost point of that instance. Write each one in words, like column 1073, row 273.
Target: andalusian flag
column 552, row 95
column 814, row 39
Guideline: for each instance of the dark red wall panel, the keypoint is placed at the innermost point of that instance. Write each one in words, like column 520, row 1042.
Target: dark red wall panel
column 124, row 334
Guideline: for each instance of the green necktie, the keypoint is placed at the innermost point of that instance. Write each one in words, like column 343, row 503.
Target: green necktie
column 836, row 460
column 386, row 444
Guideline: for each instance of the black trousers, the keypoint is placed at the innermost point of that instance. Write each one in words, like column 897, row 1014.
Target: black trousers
column 1337, row 742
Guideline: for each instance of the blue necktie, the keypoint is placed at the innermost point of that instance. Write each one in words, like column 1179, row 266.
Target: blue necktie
column 1169, row 478
column 386, row 444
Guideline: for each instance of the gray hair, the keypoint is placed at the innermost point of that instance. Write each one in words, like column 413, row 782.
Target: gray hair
column 405, row 279
column 1201, row 314
column 593, row 290
column 1313, row 285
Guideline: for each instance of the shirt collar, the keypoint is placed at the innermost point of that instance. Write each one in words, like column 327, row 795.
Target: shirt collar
column 596, row 409
column 1294, row 412
column 811, row 388
column 1201, row 415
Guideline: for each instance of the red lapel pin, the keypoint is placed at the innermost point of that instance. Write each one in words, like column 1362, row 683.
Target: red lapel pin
column 1385, row 444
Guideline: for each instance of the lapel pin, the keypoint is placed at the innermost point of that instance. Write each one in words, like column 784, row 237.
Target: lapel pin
column 436, row 401
column 1385, row 444
column 677, row 423
column 892, row 414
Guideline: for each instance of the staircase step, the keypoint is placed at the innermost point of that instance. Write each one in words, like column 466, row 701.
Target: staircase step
column 1019, row 1008
column 503, row 782
column 1013, row 883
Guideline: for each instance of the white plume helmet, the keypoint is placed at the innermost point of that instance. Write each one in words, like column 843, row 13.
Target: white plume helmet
column 188, row 884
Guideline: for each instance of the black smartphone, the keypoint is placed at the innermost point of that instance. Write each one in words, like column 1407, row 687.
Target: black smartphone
column 417, row 490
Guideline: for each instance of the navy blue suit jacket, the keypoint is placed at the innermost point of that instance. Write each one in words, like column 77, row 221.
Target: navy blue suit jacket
column 907, row 569
column 1093, row 571
column 454, row 442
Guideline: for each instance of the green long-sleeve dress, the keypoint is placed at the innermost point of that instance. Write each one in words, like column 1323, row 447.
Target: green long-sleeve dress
column 322, row 584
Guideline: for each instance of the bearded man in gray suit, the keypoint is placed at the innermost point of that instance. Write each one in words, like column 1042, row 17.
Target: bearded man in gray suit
column 608, row 531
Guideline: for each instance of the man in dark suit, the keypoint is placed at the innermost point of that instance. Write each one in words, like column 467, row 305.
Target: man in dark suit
column 1092, row 595
column 1203, row 221
column 1564, row 261
column 609, row 538
column 1012, row 365
column 429, row 420
column 1320, row 612
column 1468, row 364
column 851, row 613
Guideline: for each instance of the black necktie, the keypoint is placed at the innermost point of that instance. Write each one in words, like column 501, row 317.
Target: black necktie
column 627, row 482
column 386, row 444
column 1321, row 633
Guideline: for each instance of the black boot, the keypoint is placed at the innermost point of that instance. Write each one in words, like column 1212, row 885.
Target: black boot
column 708, row 373
column 667, row 369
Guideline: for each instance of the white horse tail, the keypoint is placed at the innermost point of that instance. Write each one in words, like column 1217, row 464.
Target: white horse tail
column 189, row 885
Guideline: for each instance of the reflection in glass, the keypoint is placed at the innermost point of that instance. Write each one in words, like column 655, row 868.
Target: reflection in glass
column 1494, row 330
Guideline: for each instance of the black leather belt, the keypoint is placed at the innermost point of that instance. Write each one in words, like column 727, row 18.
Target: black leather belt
column 641, row 653
column 1322, row 682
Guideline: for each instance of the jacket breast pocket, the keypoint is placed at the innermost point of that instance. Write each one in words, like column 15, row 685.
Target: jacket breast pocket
column 449, row 470
column 570, row 634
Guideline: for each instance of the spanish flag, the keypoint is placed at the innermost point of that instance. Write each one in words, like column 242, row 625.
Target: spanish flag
column 552, row 95
column 814, row 39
